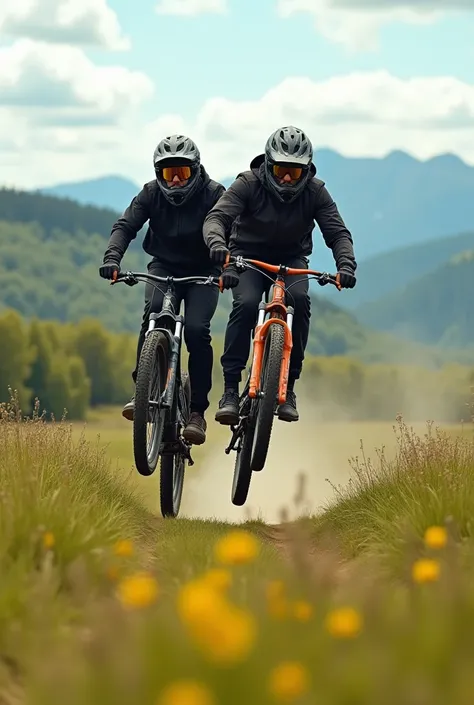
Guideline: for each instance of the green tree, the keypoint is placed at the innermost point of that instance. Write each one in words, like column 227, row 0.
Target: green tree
column 15, row 357
column 94, row 345
column 42, row 348
column 68, row 387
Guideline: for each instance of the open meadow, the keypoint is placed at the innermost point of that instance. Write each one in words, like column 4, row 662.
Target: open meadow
column 368, row 601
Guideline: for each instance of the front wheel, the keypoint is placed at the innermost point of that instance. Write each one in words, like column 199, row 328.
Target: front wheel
column 267, row 404
column 148, row 420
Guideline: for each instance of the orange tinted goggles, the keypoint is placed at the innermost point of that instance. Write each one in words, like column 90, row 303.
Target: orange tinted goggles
column 281, row 171
column 182, row 172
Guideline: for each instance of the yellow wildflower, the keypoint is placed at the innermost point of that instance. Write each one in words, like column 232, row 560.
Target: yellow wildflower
column 436, row 537
column 225, row 633
column 218, row 578
column 123, row 548
column 48, row 540
column 228, row 639
column 302, row 611
column 426, row 570
column 289, row 681
column 344, row 623
column 139, row 590
column 236, row 547
column 199, row 601
column 187, row 692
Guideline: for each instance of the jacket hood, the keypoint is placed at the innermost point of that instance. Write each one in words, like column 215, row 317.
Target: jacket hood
column 257, row 166
column 205, row 178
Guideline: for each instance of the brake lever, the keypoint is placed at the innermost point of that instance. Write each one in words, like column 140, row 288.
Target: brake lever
column 323, row 279
column 125, row 279
column 326, row 278
column 208, row 282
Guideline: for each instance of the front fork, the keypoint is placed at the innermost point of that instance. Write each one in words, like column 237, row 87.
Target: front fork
column 237, row 431
column 167, row 396
column 258, row 352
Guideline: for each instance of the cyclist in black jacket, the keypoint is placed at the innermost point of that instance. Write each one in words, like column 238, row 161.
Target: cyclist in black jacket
column 270, row 212
column 175, row 204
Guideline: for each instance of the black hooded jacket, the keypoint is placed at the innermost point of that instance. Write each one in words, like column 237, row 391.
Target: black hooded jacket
column 174, row 234
column 261, row 227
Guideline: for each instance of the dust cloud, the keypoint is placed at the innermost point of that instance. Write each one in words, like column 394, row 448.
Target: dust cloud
column 320, row 446
column 318, row 449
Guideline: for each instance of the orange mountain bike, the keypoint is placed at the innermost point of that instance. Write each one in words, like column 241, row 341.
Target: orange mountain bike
column 267, row 381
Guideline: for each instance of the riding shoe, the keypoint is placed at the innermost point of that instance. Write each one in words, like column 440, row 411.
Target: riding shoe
column 228, row 411
column 288, row 410
column 128, row 409
column 195, row 431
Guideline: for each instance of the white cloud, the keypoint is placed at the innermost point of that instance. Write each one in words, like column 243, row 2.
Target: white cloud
column 360, row 114
column 58, row 111
column 355, row 23
column 368, row 113
column 416, row 5
column 48, row 78
column 191, row 7
column 82, row 22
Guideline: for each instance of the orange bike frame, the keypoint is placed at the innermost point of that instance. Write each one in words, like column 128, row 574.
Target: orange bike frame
column 278, row 313
column 278, row 316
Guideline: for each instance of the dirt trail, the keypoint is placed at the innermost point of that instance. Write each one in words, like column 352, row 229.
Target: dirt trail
column 317, row 451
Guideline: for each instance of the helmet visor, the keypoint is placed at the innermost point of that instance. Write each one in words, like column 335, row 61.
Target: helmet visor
column 294, row 172
column 170, row 172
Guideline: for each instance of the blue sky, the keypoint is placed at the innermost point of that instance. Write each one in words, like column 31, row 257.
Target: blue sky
column 217, row 54
column 77, row 105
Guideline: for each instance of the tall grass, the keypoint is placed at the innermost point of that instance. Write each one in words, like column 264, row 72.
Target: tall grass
column 101, row 602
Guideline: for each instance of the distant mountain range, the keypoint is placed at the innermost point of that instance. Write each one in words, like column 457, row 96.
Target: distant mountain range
column 114, row 192
column 387, row 203
column 434, row 308
column 391, row 272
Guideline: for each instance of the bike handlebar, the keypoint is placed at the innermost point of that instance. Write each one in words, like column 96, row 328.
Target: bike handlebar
column 323, row 277
column 132, row 278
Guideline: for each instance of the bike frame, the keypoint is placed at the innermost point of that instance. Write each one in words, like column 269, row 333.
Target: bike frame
column 275, row 312
column 170, row 323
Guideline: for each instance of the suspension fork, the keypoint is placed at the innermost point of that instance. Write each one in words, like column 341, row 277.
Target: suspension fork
column 168, row 397
column 286, row 356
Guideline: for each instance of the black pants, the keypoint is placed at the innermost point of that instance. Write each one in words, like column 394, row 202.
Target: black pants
column 200, row 303
column 247, row 295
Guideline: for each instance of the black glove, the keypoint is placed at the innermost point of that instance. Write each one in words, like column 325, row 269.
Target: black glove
column 230, row 278
column 347, row 279
column 218, row 254
column 107, row 270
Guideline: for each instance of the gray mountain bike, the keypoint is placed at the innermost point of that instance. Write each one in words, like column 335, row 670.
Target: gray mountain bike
column 163, row 393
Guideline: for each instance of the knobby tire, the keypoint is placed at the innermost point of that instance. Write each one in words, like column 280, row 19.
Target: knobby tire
column 266, row 405
column 242, row 469
column 173, row 467
column 153, row 364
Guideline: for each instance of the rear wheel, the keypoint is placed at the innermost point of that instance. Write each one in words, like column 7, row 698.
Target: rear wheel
column 173, row 467
column 267, row 404
column 242, row 469
column 171, row 484
column 148, row 421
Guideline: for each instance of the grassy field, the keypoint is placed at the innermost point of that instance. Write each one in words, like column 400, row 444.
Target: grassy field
column 101, row 601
